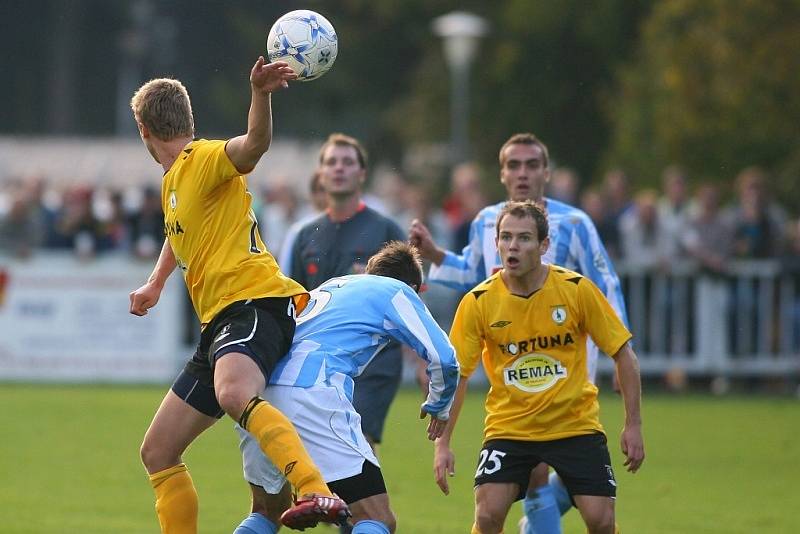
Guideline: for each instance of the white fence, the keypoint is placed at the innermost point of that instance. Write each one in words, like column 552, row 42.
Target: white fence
column 66, row 320
column 744, row 324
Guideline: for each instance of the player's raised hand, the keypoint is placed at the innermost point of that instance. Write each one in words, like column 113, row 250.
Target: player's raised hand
column 444, row 465
column 144, row 298
column 270, row 77
column 420, row 237
column 632, row 447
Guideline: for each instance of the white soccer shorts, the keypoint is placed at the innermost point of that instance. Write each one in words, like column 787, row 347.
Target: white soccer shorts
column 329, row 427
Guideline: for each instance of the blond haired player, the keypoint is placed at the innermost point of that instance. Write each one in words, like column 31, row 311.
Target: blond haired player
column 246, row 306
column 528, row 323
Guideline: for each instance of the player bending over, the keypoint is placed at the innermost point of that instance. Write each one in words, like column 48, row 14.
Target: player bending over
column 348, row 321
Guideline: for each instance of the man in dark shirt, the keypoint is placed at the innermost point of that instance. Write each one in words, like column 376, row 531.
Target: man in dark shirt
column 339, row 242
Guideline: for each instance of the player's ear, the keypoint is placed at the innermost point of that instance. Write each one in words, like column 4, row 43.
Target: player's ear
column 143, row 131
column 544, row 245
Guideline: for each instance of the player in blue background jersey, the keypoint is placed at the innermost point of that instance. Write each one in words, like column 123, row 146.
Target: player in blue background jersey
column 574, row 244
column 347, row 322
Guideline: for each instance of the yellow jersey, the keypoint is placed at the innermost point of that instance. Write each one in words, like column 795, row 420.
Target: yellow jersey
column 213, row 232
column 533, row 351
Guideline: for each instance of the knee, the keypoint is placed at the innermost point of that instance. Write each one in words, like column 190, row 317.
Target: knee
column 488, row 521
column 601, row 523
column 155, row 458
column 231, row 399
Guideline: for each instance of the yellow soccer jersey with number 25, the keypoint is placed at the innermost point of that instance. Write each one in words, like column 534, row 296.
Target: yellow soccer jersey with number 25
column 534, row 353
column 213, row 232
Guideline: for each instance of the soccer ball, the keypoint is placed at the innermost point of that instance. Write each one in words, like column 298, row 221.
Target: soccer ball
column 306, row 41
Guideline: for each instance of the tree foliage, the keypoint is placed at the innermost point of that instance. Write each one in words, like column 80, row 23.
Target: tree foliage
column 715, row 87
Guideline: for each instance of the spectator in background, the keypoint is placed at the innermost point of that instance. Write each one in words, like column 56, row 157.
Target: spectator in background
column 281, row 209
column 316, row 205
column 20, row 232
column 564, row 185
column 115, row 220
column 757, row 222
column 146, row 227
column 616, row 195
column 643, row 238
column 674, row 207
column 75, row 226
column 707, row 238
column 466, row 199
column 593, row 203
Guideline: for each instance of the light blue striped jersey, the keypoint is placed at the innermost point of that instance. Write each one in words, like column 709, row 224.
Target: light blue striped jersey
column 348, row 320
column 574, row 244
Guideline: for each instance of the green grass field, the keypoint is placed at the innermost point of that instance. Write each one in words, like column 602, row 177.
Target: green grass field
column 69, row 464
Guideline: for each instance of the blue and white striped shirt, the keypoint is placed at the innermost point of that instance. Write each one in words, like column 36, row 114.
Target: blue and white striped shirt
column 349, row 320
column 574, row 244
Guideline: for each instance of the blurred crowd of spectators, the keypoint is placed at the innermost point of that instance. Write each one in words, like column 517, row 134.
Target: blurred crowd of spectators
column 648, row 228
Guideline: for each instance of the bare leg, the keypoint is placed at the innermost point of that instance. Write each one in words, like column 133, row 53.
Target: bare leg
column 492, row 502
column 174, row 426
column 597, row 513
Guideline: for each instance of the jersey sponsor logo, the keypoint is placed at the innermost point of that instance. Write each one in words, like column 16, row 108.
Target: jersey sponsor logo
column 500, row 324
column 534, row 372
column 559, row 314
column 536, row 343
column 171, row 229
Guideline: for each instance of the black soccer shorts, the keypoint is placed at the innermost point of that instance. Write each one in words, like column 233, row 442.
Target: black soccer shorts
column 260, row 328
column 582, row 462
column 367, row 483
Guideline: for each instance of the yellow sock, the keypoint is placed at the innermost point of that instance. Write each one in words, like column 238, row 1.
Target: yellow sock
column 176, row 500
column 474, row 529
column 280, row 442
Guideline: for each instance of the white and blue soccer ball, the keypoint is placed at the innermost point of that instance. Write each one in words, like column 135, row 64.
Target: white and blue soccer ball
column 306, row 41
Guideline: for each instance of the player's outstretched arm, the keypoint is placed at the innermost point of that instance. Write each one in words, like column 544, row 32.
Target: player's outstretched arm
column 265, row 78
column 147, row 296
column 630, row 383
column 444, row 461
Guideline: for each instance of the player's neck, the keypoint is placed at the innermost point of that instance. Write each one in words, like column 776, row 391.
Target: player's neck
column 342, row 208
column 168, row 151
column 528, row 283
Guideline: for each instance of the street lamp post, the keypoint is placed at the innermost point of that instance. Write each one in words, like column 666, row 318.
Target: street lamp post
column 460, row 32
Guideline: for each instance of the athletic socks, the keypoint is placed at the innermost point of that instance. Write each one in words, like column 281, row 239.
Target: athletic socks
column 542, row 512
column 279, row 440
column 370, row 526
column 256, row 524
column 176, row 500
column 560, row 491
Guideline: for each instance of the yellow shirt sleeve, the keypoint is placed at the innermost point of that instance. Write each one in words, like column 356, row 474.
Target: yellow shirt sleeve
column 466, row 334
column 218, row 167
column 600, row 320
